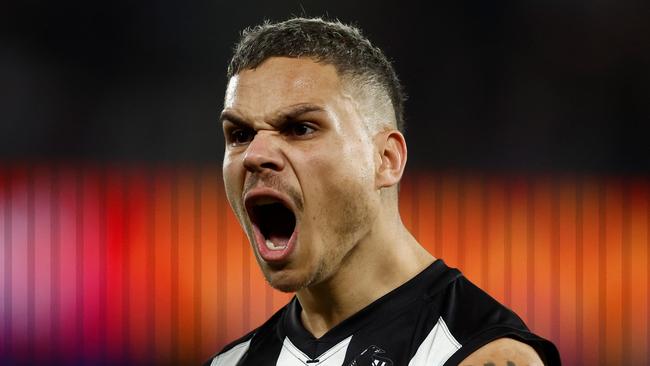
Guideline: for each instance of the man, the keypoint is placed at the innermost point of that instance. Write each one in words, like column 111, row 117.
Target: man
column 314, row 155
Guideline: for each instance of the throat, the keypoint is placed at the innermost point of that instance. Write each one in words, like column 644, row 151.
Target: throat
column 324, row 308
column 317, row 326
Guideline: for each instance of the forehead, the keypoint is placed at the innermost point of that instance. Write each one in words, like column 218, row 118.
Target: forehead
column 281, row 81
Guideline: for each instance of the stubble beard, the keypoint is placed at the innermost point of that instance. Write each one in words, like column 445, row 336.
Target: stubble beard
column 348, row 221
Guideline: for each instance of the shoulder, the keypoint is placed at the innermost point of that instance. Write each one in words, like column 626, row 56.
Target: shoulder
column 504, row 351
column 470, row 312
column 231, row 352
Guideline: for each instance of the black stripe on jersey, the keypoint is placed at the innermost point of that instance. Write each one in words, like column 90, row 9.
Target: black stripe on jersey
column 265, row 343
column 438, row 302
column 467, row 305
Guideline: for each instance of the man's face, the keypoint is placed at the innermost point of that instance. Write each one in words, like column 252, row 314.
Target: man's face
column 299, row 169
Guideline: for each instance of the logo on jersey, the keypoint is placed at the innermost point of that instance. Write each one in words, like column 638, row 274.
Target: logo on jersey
column 371, row 357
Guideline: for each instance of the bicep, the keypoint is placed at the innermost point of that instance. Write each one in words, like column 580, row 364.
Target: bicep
column 503, row 352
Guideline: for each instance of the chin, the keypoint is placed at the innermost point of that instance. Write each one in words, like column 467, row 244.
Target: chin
column 285, row 282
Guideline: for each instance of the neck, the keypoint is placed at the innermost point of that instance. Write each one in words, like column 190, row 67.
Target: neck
column 379, row 263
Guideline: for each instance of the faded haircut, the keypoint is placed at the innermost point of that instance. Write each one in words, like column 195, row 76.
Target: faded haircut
column 330, row 42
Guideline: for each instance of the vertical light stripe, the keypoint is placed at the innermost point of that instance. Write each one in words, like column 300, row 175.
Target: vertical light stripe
column 462, row 214
column 591, row 230
column 175, row 327
column 115, row 247
column 90, row 265
column 518, row 277
column 103, row 266
column 614, row 264
column 138, row 270
column 530, row 260
column 221, row 266
column 564, row 328
column 19, row 243
column 579, row 271
column 150, row 262
column 233, row 286
column 647, row 268
column 126, row 272
column 197, row 263
column 543, row 255
column 31, row 266
column 496, row 239
column 472, row 207
column 79, row 274
column 602, row 273
column 7, row 247
column 507, row 244
column 55, row 268
column 68, row 313
column 626, row 296
column 186, row 248
column 162, row 216
column 484, row 282
column 449, row 220
column 42, row 317
column 438, row 244
column 209, row 314
column 556, row 253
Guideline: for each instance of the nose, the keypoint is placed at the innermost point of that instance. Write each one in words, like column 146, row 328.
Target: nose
column 263, row 153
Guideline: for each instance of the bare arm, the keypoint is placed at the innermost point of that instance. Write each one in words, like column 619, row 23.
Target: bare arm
column 503, row 352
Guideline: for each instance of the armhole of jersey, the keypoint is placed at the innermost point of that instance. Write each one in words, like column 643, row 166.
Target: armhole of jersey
column 231, row 356
column 237, row 344
column 546, row 350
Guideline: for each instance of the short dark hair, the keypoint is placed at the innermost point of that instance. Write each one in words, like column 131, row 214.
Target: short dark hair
column 331, row 42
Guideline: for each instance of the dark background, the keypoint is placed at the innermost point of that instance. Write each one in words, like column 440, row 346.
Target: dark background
column 493, row 85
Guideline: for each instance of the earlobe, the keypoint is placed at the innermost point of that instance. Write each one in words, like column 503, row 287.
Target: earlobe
column 392, row 158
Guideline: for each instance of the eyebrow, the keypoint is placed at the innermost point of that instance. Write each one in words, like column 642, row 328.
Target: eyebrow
column 284, row 115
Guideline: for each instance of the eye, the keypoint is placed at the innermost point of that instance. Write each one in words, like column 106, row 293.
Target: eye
column 241, row 136
column 301, row 129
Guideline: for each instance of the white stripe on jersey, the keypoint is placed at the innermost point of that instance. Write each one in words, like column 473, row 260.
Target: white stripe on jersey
column 292, row 356
column 231, row 356
column 435, row 350
column 437, row 347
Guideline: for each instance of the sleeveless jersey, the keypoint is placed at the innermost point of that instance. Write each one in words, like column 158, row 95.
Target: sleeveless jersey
column 436, row 318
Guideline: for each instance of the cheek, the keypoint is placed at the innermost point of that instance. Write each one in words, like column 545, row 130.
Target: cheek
column 337, row 182
column 232, row 181
column 342, row 166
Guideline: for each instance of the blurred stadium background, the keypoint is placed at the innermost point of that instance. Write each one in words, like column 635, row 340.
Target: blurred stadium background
column 529, row 166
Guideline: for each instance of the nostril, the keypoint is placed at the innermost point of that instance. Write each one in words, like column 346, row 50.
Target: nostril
column 269, row 165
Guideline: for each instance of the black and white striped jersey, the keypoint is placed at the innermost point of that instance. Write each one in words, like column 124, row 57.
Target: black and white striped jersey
column 436, row 318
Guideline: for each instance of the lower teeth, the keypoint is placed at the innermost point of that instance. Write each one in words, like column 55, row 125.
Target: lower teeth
column 270, row 245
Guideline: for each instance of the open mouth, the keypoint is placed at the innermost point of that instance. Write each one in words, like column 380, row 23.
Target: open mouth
column 274, row 224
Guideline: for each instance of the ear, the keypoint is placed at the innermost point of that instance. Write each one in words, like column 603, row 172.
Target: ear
column 391, row 149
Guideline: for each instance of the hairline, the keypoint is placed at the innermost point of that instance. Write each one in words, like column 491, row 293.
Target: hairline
column 353, row 82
